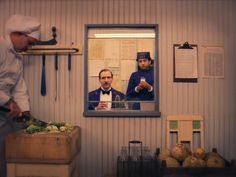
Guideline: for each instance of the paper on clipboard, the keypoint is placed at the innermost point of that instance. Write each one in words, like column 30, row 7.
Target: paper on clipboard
column 185, row 63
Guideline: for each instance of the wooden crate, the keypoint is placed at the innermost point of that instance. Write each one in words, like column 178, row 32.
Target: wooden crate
column 56, row 148
column 198, row 172
column 43, row 170
column 228, row 171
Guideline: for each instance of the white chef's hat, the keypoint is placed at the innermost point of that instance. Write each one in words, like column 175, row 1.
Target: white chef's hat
column 24, row 24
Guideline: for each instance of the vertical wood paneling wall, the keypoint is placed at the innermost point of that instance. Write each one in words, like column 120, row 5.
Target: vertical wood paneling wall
column 202, row 22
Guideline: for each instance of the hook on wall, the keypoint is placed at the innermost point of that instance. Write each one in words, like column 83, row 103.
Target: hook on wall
column 54, row 34
column 186, row 45
column 52, row 41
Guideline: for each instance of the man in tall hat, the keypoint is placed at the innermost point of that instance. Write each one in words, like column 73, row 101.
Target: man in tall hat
column 140, row 86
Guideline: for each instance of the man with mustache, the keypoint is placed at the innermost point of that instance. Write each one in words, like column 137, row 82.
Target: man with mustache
column 22, row 32
column 103, row 98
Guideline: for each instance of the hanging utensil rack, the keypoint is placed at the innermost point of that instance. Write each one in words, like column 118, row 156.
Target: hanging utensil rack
column 52, row 50
column 55, row 50
column 50, row 47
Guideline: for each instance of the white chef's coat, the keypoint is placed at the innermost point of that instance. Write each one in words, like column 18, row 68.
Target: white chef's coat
column 12, row 84
column 107, row 98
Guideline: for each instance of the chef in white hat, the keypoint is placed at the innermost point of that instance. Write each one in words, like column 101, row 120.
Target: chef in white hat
column 22, row 32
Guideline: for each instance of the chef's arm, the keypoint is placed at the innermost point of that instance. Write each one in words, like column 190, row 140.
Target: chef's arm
column 20, row 95
column 7, row 103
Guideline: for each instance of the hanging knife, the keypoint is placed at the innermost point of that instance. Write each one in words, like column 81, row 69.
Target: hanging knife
column 43, row 78
column 69, row 69
column 56, row 69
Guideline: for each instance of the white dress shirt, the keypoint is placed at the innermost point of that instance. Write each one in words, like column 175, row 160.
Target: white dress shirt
column 107, row 98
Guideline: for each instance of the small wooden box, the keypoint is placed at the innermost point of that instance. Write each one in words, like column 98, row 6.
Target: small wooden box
column 56, row 148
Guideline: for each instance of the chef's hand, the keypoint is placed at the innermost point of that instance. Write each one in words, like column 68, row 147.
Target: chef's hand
column 26, row 113
column 14, row 108
column 101, row 105
column 25, row 116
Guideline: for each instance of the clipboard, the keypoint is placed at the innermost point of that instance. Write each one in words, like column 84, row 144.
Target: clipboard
column 185, row 67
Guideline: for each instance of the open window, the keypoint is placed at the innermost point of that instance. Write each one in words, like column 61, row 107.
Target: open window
column 115, row 47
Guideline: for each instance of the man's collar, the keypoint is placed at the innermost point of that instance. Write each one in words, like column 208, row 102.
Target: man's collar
column 106, row 91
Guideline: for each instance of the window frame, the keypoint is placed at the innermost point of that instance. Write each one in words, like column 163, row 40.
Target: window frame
column 111, row 113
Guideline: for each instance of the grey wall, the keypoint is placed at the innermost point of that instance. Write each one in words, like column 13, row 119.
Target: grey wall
column 202, row 22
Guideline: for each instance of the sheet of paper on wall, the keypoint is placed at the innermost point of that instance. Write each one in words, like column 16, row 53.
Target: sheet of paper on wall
column 127, row 67
column 213, row 58
column 117, row 83
column 115, row 71
column 113, row 62
column 147, row 45
column 186, row 63
column 128, row 49
column 96, row 49
column 93, row 83
column 112, row 49
column 95, row 66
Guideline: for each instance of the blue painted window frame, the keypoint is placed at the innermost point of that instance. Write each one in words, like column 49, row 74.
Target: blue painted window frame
column 133, row 114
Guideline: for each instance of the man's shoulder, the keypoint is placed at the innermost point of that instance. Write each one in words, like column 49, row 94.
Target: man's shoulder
column 135, row 73
column 117, row 92
column 94, row 92
column 132, row 73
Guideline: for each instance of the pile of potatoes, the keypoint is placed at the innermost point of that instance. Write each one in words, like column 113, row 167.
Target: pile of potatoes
column 180, row 156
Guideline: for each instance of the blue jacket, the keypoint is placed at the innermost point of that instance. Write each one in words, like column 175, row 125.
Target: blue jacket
column 134, row 80
column 95, row 96
column 143, row 95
